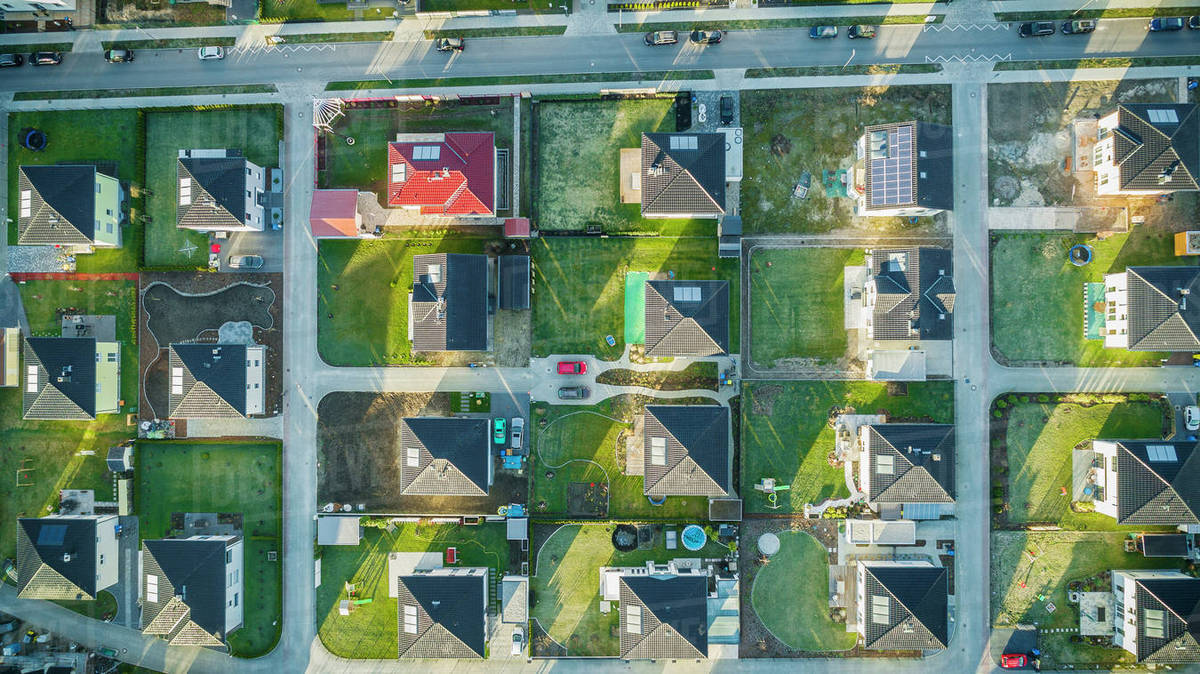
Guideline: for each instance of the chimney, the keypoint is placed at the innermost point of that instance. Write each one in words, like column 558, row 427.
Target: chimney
column 66, row 557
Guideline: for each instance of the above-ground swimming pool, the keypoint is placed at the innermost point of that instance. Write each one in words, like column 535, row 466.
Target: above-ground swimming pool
column 693, row 537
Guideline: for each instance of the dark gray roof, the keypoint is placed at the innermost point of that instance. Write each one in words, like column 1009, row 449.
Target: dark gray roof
column 514, row 281
column 674, row 617
column 1163, row 491
column 56, row 558
column 116, row 458
column 192, row 570
column 1163, row 545
column 922, row 463
column 218, row 192
column 914, row 167
column 1159, row 316
column 935, row 166
column 62, row 204
column 682, row 180
column 914, row 293
column 453, row 456
column 66, row 380
column 917, row 602
column 1147, row 150
column 687, row 318
column 450, row 616
column 459, row 323
column 214, row 380
column 1179, row 599
column 697, row 450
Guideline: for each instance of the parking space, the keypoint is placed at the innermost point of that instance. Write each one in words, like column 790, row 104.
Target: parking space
column 267, row 244
column 706, row 110
column 1180, row 401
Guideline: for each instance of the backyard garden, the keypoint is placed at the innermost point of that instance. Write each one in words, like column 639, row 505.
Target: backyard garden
column 791, row 596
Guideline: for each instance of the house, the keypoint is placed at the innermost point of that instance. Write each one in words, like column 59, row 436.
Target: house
column 443, row 174
column 687, row 318
column 1147, row 309
column 442, row 613
column 68, row 205
column 71, row 378
column 334, row 213
column 683, row 175
column 907, row 465
column 193, row 589
column 664, row 617
column 687, row 450
column 216, row 380
column 1147, row 148
column 448, row 307
column 219, row 191
column 909, row 294
column 902, row 605
column 904, row 169
column 14, row 8
column 1147, row 482
column 1156, row 615
column 10, row 356
column 445, row 456
column 66, row 557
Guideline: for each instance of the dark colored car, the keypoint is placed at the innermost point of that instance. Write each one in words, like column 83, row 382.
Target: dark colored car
column 119, row 56
column 822, row 32
column 450, row 44
column 574, row 393
column 727, row 110
column 660, row 37
column 1036, row 29
column 45, row 58
column 11, row 60
column 1078, row 26
column 706, row 36
column 1165, row 24
column 863, row 31
column 1194, row 22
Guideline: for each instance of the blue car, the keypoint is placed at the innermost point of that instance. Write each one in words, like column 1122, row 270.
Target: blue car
column 1165, row 24
column 822, row 32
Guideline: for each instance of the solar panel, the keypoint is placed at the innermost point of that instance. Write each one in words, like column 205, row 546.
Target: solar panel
column 683, row 143
column 52, row 535
column 1161, row 453
column 891, row 168
column 427, row 152
column 687, row 293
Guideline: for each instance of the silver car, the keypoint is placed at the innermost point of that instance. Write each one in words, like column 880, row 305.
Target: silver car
column 245, row 261
column 212, row 53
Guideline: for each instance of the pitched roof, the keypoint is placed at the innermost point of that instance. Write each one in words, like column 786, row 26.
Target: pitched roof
column 451, row 176
column 334, row 213
column 66, row 378
column 687, row 318
column 1158, row 482
column 56, row 558
column 1164, row 545
column 452, row 456
column 908, row 164
column 62, row 204
column 922, row 463
column 449, row 313
column 916, row 598
column 674, row 615
column 1153, row 140
column 211, row 380
column 1179, row 599
column 217, row 188
column 190, row 580
column 696, row 439
column 450, row 616
column 914, row 293
column 1159, row 316
column 683, row 173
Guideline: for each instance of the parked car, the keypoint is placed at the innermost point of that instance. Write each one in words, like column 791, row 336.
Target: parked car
column 822, row 32
column 499, row 434
column 450, row 44
column 1036, row 29
column 119, row 56
column 245, row 261
column 1013, row 660
column 1194, row 22
column 573, row 393
column 211, row 53
column 862, row 31
column 518, row 640
column 1078, row 26
column 45, row 58
column 1165, row 24
column 706, row 36
column 518, row 432
column 727, row 110
column 660, row 37
column 11, row 60
column 572, row 367
column 1191, row 417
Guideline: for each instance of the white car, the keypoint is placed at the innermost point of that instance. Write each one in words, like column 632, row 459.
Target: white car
column 1191, row 417
column 212, row 53
column 518, row 429
column 518, row 640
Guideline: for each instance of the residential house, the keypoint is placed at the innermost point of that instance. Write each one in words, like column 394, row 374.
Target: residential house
column 904, row 169
column 448, row 307
column 663, row 617
column 442, row 613
column 909, row 294
column 334, row 214
column 1147, row 309
column 902, row 605
column 907, row 469
column 687, row 318
column 66, row 557
column 71, row 378
column 1156, row 615
column 686, row 451
column 39, row 8
column 445, row 456
column 68, row 205
column 1147, row 148
column 1147, row 482
column 216, row 380
column 193, row 591
column 443, row 174
column 683, row 175
column 220, row 191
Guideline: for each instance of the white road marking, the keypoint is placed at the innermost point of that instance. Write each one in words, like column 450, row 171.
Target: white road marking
column 938, row 27
column 969, row 58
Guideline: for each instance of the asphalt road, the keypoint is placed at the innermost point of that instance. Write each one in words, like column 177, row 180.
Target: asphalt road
column 599, row 53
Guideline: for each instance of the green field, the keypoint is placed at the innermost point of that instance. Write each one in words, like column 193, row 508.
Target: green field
column 791, row 596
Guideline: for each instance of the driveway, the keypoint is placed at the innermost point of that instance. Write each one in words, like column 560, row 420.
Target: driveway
column 128, row 588
column 267, row 244
column 1180, row 400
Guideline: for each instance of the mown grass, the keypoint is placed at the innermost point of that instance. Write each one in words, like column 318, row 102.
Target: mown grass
column 431, row 82
column 791, row 596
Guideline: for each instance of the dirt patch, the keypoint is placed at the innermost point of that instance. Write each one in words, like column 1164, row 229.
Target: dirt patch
column 587, row 499
column 513, row 337
column 694, row 377
column 763, row 400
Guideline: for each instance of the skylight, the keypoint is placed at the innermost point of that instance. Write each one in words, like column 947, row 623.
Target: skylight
column 410, row 619
column 658, row 451
column 879, row 609
column 1162, row 116
column 884, row 464
column 687, row 293
column 1163, row 453
column 427, row 152
column 1152, row 622
column 633, row 619
column 684, row 142
column 26, row 203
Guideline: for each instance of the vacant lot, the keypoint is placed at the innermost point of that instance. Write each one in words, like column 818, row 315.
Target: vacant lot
column 369, row 632
column 786, row 434
column 797, row 305
column 790, row 131
column 253, row 130
column 1037, row 294
column 580, row 284
column 791, row 596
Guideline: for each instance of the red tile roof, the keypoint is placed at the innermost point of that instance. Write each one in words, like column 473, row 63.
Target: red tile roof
column 515, row 228
column 333, row 213
column 461, row 181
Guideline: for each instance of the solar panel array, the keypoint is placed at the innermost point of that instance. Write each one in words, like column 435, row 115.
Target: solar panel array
column 891, row 175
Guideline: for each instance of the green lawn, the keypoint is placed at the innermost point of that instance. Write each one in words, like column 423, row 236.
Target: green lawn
column 580, row 285
column 1041, row 437
column 86, row 136
column 370, row 629
column 1037, row 294
column 232, row 478
column 786, row 435
column 544, row 6
column 281, row 11
column 374, row 332
column 791, row 596
column 780, row 146
column 565, row 589
column 104, row 605
column 253, row 130
column 797, row 305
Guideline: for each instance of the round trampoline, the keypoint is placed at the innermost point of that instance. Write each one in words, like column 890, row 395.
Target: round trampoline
column 33, row 139
column 1080, row 254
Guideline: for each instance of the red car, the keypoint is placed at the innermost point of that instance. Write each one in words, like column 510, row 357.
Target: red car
column 572, row 367
column 1013, row 661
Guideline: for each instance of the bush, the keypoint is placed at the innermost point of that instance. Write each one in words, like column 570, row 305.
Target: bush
column 1043, row 398
column 998, row 414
